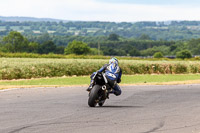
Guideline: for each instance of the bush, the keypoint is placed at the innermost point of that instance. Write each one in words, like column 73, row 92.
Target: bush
column 158, row 55
column 77, row 47
column 184, row 54
column 180, row 69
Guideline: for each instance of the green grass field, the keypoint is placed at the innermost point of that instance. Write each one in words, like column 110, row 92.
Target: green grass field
column 64, row 72
column 84, row 80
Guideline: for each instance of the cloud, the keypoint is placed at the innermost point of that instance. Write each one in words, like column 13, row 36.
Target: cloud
column 92, row 10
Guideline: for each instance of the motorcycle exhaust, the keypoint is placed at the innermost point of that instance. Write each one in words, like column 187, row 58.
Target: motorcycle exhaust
column 104, row 87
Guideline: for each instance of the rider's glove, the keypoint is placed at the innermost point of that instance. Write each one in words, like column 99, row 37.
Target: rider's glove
column 118, row 80
column 97, row 72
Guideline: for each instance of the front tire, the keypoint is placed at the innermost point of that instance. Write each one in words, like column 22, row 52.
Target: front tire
column 101, row 103
column 93, row 96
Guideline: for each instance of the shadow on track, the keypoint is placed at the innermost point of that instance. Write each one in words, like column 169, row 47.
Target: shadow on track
column 119, row 106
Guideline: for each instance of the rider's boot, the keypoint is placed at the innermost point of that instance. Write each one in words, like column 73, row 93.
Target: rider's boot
column 109, row 92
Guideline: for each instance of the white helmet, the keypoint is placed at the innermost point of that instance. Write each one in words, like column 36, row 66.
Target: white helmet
column 113, row 61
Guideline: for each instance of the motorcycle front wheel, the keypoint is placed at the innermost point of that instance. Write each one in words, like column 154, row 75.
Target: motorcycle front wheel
column 94, row 96
column 101, row 103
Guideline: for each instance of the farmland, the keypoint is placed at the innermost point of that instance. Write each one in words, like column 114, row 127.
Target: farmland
column 155, row 30
column 27, row 68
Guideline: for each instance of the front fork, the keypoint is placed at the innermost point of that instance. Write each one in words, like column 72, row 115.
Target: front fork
column 107, row 93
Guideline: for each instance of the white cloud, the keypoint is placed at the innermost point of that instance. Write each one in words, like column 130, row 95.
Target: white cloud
column 96, row 11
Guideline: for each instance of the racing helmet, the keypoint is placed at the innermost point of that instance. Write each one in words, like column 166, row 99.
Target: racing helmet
column 113, row 61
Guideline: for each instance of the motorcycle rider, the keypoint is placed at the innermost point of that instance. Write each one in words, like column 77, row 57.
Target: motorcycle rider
column 114, row 69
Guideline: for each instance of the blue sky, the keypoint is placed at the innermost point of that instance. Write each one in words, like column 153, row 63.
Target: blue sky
column 104, row 10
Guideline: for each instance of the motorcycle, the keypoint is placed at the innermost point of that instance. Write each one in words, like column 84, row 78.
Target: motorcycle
column 102, row 87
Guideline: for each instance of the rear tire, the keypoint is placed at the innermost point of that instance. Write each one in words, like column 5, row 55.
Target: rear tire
column 93, row 96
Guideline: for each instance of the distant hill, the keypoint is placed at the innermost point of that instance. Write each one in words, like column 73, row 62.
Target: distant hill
column 25, row 19
column 163, row 30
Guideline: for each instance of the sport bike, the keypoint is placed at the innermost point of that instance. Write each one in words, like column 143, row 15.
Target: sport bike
column 102, row 87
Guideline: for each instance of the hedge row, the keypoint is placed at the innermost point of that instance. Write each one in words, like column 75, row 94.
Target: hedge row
column 73, row 56
column 21, row 68
column 59, row 56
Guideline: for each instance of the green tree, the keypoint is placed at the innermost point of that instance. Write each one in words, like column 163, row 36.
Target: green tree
column 134, row 52
column 47, row 47
column 15, row 42
column 148, row 52
column 43, row 38
column 77, row 47
column 33, row 47
column 184, row 54
column 2, row 48
column 94, row 51
column 158, row 55
column 113, row 37
column 144, row 37
column 194, row 46
column 173, row 47
column 60, row 50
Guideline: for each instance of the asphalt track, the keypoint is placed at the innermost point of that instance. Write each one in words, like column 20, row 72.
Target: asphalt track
column 140, row 109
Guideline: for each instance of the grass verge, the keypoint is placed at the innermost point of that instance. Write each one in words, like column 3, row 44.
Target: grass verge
column 84, row 81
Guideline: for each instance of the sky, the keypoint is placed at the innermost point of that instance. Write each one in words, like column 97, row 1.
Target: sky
column 104, row 10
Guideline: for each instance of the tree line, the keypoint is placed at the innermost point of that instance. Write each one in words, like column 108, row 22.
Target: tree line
column 172, row 30
column 15, row 42
column 112, row 44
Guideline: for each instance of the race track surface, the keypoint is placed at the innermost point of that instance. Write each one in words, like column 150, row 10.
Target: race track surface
column 140, row 109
